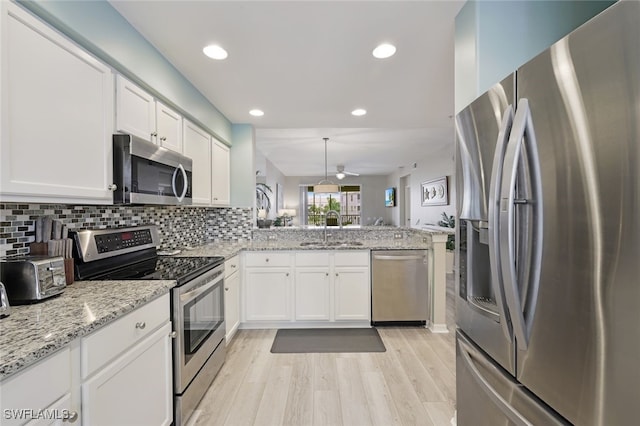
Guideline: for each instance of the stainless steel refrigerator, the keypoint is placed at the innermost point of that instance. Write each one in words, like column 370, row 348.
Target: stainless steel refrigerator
column 548, row 292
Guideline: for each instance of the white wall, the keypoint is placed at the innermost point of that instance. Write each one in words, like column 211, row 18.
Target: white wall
column 431, row 166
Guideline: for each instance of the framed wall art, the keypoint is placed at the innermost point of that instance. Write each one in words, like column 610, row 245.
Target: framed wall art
column 390, row 197
column 435, row 192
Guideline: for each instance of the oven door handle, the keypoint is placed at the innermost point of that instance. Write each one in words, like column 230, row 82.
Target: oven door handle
column 192, row 294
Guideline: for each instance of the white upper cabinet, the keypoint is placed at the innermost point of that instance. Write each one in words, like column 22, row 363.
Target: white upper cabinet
column 220, row 174
column 135, row 110
column 139, row 114
column 197, row 146
column 169, row 127
column 57, row 115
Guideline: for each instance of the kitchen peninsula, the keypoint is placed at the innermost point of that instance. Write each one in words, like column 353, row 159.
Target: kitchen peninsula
column 356, row 239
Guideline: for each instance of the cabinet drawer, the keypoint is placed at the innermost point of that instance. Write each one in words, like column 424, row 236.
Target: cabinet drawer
column 312, row 258
column 231, row 266
column 267, row 258
column 38, row 386
column 352, row 258
column 105, row 344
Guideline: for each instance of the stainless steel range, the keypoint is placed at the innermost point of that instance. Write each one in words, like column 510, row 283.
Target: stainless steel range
column 197, row 301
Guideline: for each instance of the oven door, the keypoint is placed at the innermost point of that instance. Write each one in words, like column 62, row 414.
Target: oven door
column 198, row 315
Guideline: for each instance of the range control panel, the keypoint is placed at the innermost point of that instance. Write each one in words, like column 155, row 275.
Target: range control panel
column 122, row 240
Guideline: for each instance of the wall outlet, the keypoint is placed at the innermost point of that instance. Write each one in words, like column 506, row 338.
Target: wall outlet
column 271, row 237
column 397, row 235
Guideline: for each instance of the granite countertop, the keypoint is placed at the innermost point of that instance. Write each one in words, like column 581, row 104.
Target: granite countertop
column 230, row 249
column 31, row 332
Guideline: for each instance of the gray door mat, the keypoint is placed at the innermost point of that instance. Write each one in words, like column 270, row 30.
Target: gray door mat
column 323, row 340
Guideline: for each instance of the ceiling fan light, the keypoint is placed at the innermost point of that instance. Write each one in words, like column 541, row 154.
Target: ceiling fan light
column 326, row 188
column 340, row 175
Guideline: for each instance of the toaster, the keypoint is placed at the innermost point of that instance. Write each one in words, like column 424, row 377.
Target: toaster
column 5, row 309
column 29, row 279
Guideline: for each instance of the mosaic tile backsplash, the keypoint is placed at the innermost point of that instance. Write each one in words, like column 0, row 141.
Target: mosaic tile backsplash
column 179, row 226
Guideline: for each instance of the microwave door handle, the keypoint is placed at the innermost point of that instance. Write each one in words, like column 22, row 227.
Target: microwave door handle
column 173, row 183
column 495, row 254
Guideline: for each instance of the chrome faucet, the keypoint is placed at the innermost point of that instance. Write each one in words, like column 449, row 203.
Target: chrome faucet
column 326, row 217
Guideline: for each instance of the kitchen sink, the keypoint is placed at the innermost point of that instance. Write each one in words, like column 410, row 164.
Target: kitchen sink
column 330, row 243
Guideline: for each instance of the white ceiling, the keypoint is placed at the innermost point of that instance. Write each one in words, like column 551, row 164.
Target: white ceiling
column 308, row 64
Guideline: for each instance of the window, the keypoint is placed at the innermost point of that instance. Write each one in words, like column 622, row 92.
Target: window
column 315, row 206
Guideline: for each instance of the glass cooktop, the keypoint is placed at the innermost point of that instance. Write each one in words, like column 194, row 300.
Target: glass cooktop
column 181, row 269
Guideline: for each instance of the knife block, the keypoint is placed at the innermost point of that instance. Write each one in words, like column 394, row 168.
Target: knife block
column 39, row 249
column 68, row 270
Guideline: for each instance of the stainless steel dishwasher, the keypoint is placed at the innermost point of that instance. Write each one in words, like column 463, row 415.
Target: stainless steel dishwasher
column 399, row 287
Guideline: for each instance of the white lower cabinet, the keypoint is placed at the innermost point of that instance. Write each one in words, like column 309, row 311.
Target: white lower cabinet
column 231, row 296
column 126, row 369
column 329, row 288
column 313, row 294
column 352, row 294
column 135, row 388
column 267, row 293
column 120, row 374
column 38, row 391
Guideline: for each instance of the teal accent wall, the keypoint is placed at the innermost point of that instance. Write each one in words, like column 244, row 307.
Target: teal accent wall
column 99, row 28
column 243, row 166
column 493, row 38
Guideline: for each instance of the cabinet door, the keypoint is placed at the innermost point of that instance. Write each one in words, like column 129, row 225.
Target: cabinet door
column 39, row 386
column 197, row 146
column 267, row 294
column 312, row 294
column 57, row 115
column 220, row 169
column 135, row 110
column 134, row 389
column 169, row 127
column 352, row 293
column 231, row 304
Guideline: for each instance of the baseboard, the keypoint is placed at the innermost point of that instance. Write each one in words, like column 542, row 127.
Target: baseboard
column 438, row 328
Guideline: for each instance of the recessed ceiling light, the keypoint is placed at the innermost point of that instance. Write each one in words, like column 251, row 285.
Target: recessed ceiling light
column 383, row 51
column 359, row 112
column 215, row 52
column 256, row 112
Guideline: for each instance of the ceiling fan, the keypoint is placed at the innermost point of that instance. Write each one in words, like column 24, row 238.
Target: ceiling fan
column 341, row 173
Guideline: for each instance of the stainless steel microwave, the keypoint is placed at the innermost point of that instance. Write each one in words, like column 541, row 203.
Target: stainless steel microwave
column 145, row 173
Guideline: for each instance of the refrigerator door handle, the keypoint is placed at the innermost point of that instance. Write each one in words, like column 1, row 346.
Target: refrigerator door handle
column 467, row 352
column 495, row 255
column 522, row 125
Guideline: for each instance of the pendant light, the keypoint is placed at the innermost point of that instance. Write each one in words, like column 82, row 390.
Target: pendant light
column 325, row 186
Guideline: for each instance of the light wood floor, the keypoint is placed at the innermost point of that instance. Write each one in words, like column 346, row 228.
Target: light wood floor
column 412, row 383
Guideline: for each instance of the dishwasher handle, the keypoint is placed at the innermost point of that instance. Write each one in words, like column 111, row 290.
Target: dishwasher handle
column 390, row 257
